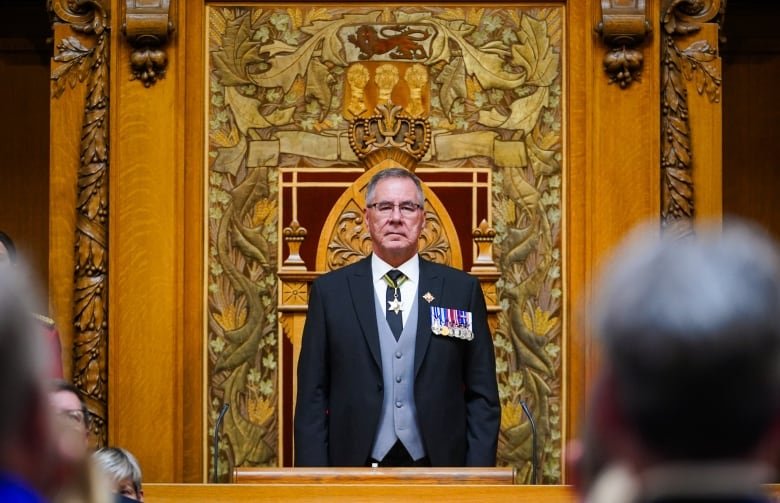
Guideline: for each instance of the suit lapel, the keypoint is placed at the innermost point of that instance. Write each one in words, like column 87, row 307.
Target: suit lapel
column 431, row 283
column 361, row 289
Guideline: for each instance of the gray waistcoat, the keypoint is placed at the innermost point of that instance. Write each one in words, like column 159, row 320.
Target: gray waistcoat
column 399, row 413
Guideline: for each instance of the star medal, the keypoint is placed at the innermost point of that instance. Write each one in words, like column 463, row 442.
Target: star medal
column 394, row 305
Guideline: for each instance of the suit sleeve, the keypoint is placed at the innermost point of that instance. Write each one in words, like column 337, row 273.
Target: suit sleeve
column 483, row 409
column 311, row 410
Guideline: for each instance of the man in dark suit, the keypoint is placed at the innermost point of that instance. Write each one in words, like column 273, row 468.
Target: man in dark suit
column 687, row 407
column 397, row 365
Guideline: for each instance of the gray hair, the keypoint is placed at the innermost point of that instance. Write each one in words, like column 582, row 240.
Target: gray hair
column 394, row 173
column 691, row 332
column 119, row 464
column 23, row 355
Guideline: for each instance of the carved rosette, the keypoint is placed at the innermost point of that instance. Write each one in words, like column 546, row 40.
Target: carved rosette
column 697, row 62
column 147, row 26
column 74, row 63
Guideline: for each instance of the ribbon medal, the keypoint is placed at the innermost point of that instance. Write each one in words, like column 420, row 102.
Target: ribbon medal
column 451, row 323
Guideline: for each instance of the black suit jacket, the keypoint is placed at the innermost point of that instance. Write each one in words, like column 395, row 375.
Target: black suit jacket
column 340, row 388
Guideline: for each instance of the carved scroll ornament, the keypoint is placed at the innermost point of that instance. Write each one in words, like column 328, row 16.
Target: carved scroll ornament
column 697, row 62
column 75, row 62
column 623, row 27
column 147, row 26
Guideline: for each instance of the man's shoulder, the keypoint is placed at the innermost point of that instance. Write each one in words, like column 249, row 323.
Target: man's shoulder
column 338, row 275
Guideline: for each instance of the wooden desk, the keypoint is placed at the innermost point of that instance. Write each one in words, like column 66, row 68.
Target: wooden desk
column 349, row 493
column 375, row 476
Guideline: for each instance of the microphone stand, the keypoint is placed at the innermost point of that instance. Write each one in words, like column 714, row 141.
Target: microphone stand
column 534, row 439
column 217, row 427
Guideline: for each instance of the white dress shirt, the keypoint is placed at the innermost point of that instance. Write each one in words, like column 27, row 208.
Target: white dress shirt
column 407, row 290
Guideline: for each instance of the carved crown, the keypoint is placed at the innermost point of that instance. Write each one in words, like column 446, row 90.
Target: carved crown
column 390, row 133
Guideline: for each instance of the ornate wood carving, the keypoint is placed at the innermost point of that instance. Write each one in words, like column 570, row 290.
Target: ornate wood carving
column 696, row 62
column 294, row 236
column 345, row 238
column 389, row 129
column 484, row 236
column 78, row 63
column 147, row 26
column 286, row 85
column 623, row 27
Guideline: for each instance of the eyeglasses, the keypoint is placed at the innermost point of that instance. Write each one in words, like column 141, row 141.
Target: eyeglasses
column 73, row 417
column 385, row 208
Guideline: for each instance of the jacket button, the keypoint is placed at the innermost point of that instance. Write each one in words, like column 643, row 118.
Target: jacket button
column 398, row 404
column 398, row 379
column 398, row 354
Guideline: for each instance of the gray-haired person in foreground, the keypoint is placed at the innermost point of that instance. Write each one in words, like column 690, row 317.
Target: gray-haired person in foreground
column 122, row 470
column 688, row 401
column 27, row 460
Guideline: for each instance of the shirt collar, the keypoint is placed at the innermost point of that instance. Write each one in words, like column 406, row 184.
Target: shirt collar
column 410, row 268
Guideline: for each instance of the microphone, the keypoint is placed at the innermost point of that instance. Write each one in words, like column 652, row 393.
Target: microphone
column 534, row 440
column 217, row 427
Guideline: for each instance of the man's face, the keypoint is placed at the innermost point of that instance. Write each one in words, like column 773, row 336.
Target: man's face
column 72, row 435
column 394, row 234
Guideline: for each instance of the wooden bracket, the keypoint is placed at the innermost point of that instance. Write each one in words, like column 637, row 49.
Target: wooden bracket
column 147, row 26
column 623, row 27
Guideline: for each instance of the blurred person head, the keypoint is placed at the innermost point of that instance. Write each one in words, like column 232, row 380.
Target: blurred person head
column 7, row 249
column 72, row 419
column 122, row 470
column 26, row 451
column 690, row 331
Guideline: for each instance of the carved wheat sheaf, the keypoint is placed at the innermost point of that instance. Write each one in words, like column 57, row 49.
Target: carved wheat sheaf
column 79, row 63
column 694, row 63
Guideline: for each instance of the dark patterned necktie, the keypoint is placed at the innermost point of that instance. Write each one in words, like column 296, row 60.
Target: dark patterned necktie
column 393, row 313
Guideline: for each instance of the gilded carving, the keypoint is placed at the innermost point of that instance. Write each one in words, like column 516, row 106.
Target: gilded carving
column 242, row 317
column 75, row 62
column 357, row 77
column 698, row 62
column 295, row 293
column 483, row 236
column 147, row 26
column 391, row 41
column 389, row 128
column 281, row 93
column 416, row 77
column 294, row 236
column 623, row 27
column 351, row 241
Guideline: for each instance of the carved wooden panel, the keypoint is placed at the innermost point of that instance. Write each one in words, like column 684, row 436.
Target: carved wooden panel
column 283, row 85
column 76, row 61
column 345, row 238
column 686, row 58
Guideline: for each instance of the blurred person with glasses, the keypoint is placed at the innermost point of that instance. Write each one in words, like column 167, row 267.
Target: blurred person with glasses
column 397, row 365
column 81, row 480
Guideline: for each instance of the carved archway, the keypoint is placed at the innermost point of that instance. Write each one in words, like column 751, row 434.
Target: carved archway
column 345, row 238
